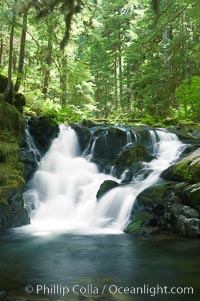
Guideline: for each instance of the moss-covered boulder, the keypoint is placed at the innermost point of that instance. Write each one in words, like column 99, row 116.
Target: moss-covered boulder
column 185, row 220
column 188, row 169
column 143, row 223
column 105, row 187
column 154, row 198
column 134, row 154
column 191, row 195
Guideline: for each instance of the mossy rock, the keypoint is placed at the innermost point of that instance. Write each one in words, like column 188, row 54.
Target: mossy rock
column 191, row 195
column 134, row 154
column 188, row 169
column 3, row 86
column 144, row 222
column 154, row 198
column 10, row 119
column 105, row 187
column 9, row 151
column 6, row 216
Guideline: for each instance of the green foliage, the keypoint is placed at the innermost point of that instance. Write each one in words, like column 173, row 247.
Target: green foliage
column 124, row 60
column 188, row 96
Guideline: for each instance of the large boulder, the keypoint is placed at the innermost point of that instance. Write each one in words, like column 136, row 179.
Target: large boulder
column 105, row 187
column 143, row 223
column 185, row 220
column 108, row 142
column 187, row 169
column 191, row 195
column 154, row 198
column 133, row 154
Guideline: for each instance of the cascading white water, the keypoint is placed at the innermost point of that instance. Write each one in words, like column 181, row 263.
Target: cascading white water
column 31, row 144
column 65, row 185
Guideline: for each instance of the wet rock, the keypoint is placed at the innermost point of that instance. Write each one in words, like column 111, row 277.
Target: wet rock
column 6, row 216
column 43, row 131
column 3, row 295
column 188, row 169
column 179, row 209
column 30, row 164
column 105, row 187
column 154, row 198
column 133, row 154
column 21, row 218
column 83, row 134
column 143, row 223
column 189, row 227
column 191, row 195
column 137, row 172
column 108, row 143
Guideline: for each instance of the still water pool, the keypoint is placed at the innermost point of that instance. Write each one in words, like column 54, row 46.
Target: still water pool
column 98, row 260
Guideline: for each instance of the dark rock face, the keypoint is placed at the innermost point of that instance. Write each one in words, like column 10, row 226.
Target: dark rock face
column 105, row 187
column 83, row 134
column 118, row 147
column 108, row 143
column 43, row 132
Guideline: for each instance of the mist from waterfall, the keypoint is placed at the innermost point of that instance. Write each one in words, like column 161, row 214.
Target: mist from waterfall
column 62, row 193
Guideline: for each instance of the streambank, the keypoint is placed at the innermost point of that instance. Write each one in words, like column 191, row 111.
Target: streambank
column 17, row 162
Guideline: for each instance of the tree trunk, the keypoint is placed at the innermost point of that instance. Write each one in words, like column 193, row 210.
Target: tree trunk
column 1, row 50
column 120, row 74
column 116, row 85
column 128, row 86
column 8, row 89
column 48, row 60
column 21, row 52
column 63, row 80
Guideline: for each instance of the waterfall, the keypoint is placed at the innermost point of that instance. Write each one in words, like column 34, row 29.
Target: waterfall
column 65, row 185
column 30, row 142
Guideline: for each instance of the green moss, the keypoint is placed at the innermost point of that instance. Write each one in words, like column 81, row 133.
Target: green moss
column 154, row 196
column 191, row 194
column 10, row 119
column 187, row 171
column 135, row 154
column 105, row 187
column 135, row 226
column 140, row 220
column 11, row 168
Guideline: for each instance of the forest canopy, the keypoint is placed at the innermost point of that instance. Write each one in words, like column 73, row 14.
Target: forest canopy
column 103, row 59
